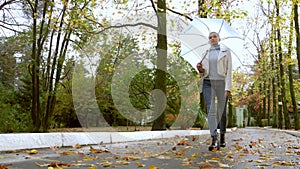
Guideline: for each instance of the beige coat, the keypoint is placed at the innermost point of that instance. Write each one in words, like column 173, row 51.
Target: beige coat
column 224, row 67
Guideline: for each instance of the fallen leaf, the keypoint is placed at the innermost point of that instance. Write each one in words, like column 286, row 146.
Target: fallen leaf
column 33, row 151
column 237, row 147
column 246, row 151
column 54, row 148
column 65, row 152
column 229, row 156
column 252, row 144
column 164, row 157
column 40, row 165
column 273, row 145
column 80, row 154
column 223, row 165
column 77, row 146
column 240, row 139
column 284, row 163
column 4, row 166
column 123, row 162
column 106, row 164
column 140, row 165
column 214, row 149
column 130, row 158
column 153, row 167
column 179, row 153
column 195, row 155
column 58, row 165
column 96, row 151
column 89, row 158
column 184, row 142
column 206, row 166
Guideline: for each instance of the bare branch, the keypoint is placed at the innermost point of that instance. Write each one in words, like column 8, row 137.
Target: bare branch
column 178, row 13
column 153, row 6
column 129, row 25
column 11, row 24
column 6, row 3
column 10, row 29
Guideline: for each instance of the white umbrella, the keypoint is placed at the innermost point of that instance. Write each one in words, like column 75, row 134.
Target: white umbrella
column 194, row 40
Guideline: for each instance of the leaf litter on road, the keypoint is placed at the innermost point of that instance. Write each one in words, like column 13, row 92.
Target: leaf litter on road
column 244, row 149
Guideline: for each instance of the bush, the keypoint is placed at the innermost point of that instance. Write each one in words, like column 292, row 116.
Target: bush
column 12, row 118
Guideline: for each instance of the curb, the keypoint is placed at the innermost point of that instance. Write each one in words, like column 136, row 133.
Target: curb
column 291, row 132
column 10, row 142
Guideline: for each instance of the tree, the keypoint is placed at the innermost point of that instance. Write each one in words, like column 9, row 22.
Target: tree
column 290, row 70
column 297, row 30
column 160, row 77
column 51, row 35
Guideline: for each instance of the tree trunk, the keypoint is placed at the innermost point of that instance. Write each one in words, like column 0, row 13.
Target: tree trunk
column 296, row 20
column 35, row 112
column 264, row 106
column 290, row 72
column 60, row 63
column 160, row 78
column 269, row 101
column 55, row 70
column 273, row 77
column 281, row 69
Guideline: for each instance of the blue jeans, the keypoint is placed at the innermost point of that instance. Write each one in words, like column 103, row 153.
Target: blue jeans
column 213, row 89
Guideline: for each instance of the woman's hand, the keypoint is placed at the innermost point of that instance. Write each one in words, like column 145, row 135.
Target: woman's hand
column 200, row 68
column 227, row 93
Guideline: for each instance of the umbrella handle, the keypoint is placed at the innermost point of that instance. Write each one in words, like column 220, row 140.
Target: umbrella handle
column 226, row 101
column 204, row 56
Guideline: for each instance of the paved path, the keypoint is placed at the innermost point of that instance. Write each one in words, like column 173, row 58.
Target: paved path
column 246, row 149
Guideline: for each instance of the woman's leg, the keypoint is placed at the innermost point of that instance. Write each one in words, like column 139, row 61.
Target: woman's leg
column 222, row 113
column 209, row 96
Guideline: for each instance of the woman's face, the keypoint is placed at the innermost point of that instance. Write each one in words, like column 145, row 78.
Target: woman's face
column 214, row 39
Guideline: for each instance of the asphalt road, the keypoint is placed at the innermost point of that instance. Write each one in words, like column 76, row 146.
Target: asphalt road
column 246, row 148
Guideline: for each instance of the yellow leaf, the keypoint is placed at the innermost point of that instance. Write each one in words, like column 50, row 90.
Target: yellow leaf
column 185, row 164
column 140, row 165
column 153, row 167
column 89, row 158
column 186, row 159
column 41, row 165
column 123, row 162
column 33, row 151
column 223, row 165
column 106, row 164
column 195, row 155
column 65, row 153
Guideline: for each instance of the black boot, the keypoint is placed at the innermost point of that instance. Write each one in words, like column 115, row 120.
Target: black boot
column 222, row 140
column 214, row 144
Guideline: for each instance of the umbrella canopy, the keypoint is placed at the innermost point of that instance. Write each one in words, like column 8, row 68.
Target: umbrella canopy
column 194, row 40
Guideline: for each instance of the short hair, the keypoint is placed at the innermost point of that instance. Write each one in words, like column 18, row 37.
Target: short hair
column 214, row 33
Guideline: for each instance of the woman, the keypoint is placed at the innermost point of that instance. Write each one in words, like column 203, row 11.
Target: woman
column 216, row 79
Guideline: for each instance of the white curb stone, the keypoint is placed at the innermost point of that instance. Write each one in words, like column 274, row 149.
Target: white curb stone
column 46, row 140
column 29, row 140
